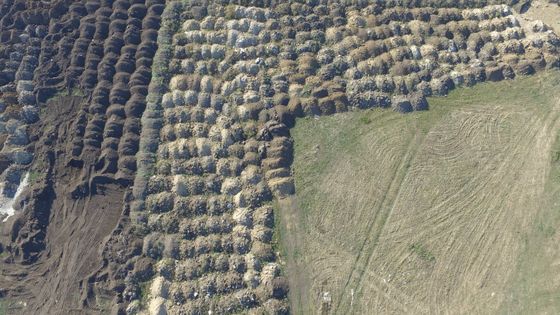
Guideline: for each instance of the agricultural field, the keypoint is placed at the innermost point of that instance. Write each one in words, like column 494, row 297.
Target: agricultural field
column 277, row 157
column 454, row 210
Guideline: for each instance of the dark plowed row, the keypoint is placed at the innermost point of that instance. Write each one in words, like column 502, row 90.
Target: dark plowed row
column 112, row 60
column 100, row 52
column 100, row 49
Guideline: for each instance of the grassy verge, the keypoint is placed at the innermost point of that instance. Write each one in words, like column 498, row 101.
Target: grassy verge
column 535, row 287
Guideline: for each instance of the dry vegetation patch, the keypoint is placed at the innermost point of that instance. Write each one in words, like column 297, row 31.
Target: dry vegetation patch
column 432, row 212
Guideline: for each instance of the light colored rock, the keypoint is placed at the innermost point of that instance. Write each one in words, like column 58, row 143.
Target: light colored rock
column 180, row 186
column 24, row 85
column 157, row 306
column 206, row 84
column 243, row 216
column 227, row 138
column 282, row 187
column 244, row 41
column 241, row 200
column 191, row 98
column 252, row 262
column 231, row 186
column 251, row 175
column 252, row 278
column 133, row 308
column 26, row 98
column 159, row 287
column 22, row 157
column 262, row 234
column 167, row 100
column 401, row 104
column 232, row 36
column 191, row 25
column 203, row 146
column 539, row 26
column 269, row 272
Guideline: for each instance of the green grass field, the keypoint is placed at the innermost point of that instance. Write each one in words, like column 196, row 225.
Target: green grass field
column 453, row 210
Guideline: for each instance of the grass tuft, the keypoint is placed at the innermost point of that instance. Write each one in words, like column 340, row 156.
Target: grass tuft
column 422, row 252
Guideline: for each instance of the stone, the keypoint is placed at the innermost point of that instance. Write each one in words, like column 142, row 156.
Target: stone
column 282, row 187
column 22, row 157
column 418, row 101
column 401, row 104
column 157, row 306
column 494, row 73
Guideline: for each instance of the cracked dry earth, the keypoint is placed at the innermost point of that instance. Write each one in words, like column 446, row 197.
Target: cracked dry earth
column 156, row 133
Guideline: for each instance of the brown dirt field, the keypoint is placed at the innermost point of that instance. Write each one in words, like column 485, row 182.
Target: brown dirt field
column 62, row 239
column 62, row 251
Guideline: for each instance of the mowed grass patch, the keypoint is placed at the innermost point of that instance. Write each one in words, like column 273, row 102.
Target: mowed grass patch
column 535, row 287
column 424, row 212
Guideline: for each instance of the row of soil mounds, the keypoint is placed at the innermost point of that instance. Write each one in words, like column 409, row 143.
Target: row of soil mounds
column 73, row 85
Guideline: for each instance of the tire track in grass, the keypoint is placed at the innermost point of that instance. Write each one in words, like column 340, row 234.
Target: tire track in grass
column 365, row 204
column 531, row 131
column 369, row 256
column 379, row 221
column 478, row 231
column 449, row 200
column 468, row 134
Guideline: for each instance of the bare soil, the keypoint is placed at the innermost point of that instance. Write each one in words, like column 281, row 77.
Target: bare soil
column 58, row 245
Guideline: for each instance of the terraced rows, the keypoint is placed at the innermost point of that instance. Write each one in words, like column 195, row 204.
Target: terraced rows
column 102, row 50
column 116, row 68
column 207, row 205
column 30, row 35
column 215, row 145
